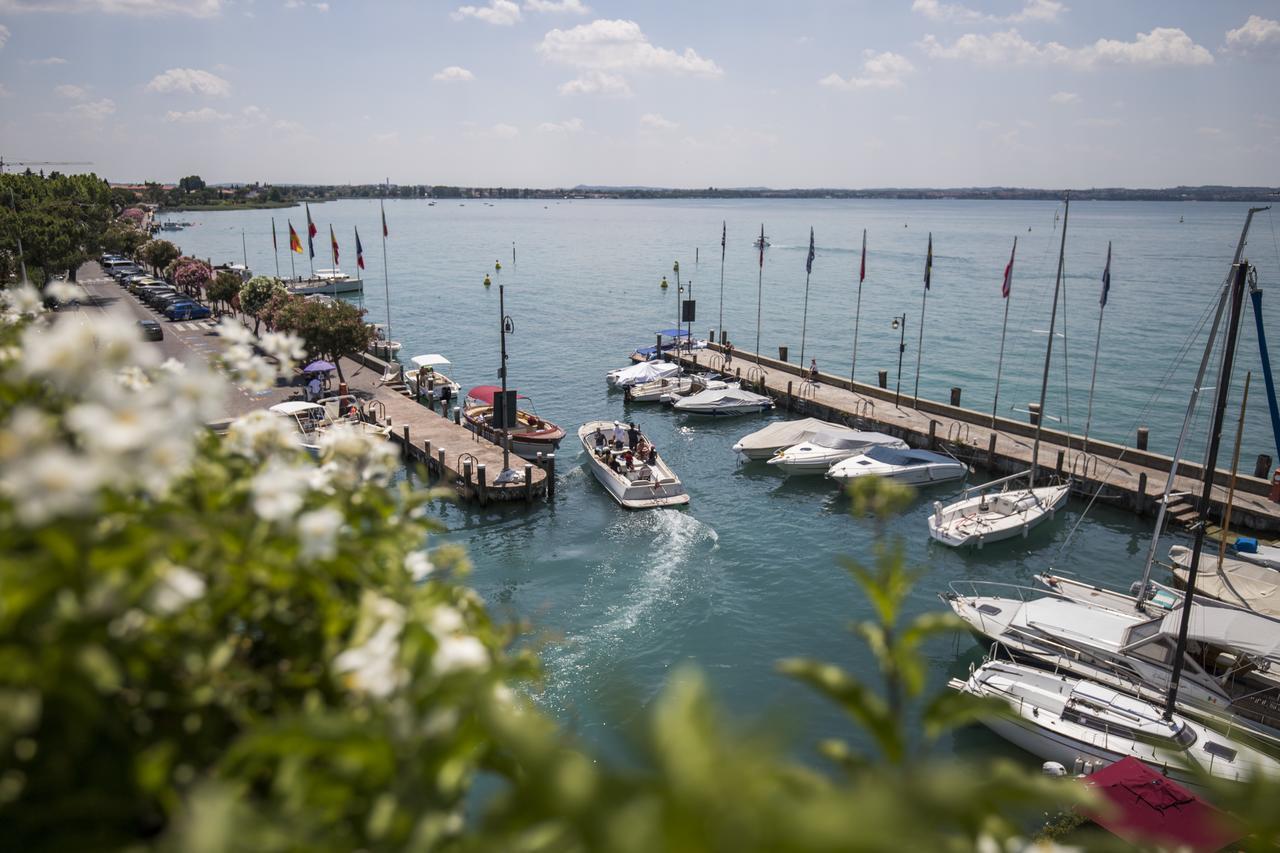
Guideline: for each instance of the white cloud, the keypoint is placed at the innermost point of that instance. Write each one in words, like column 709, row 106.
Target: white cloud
column 48, row 60
column 656, row 121
column 321, row 7
column 1163, row 46
column 453, row 73
column 75, row 93
column 254, row 114
column 1032, row 10
column 1099, row 122
column 502, row 13
column 140, row 8
column 571, row 125
column 4, row 35
column 557, row 6
column 192, row 80
column 500, row 131
column 879, row 71
column 288, row 126
column 204, row 115
column 597, row 83
column 1258, row 33
column 1209, row 131
column 94, row 110
column 1064, row 98
column 619, row 46
column 391, row 137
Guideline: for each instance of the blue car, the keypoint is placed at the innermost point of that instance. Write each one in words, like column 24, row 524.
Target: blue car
column 187, row 311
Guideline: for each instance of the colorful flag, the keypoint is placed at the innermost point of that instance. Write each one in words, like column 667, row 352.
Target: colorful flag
column 311, row 232
column 359, row 250
column 928, row 263
column 333, row 243
column 1106, row 277
column 862, row 269
column 1008, row 272
column 762, row 246
column 274, row 246
column 295, row 242
column 385, row 233
column 808, row 262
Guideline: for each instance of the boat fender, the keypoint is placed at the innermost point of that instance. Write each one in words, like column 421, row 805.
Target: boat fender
column 1053, row 768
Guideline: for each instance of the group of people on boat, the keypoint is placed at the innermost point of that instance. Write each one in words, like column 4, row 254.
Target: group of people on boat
column 624, row 448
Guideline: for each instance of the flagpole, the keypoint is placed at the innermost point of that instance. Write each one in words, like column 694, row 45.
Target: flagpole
column 386, row 276
column 1097, row 347
column 857, row 311
column 244, row 249
column 275, row 246
column 804, row 322
column 1008, row 297
column 759, row 293
column 924, row 298
column 720, row 324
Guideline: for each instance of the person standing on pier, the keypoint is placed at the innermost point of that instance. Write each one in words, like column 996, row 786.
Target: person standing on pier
column 813, row 371
column 728, row 353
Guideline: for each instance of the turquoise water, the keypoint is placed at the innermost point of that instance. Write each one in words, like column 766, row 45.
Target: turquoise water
column 748, row 573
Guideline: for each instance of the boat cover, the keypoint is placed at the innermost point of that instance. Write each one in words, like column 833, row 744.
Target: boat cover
column 838, row 438
column 486, row 393
column 647, row 371
column 1228, row 628
column 720, row 398
column 783, row 434
column 891, row 455
column 1144, row 807
column 430, row 360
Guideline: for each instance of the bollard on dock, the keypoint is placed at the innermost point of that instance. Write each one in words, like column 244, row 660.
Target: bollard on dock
column 955, row 395
column 882, row 378
column 551, row 475
column 407, row 448
column 481, row 491
column 782, row 354
column 528, row 483
column 1143, row 435
column 1263, row 466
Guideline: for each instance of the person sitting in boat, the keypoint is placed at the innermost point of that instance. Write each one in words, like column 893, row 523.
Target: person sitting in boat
column 628, row 460
column 599, row 436
column 619, row 435
column 652, row 458
column 642, row 449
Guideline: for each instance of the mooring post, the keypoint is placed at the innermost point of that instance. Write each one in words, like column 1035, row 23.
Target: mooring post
column 528, row 483
column 466, row 475
column 1142, row 493
column 933, row 433
column 1033, row 412
column 407, row 447
column 426, row 453
column 882, row 378
column 441, row 458
column 1262, row 468
column 551, row 475
column 481, row 492
column 1061, row 456
column 788, row 393
column 737, row 371
column 457, row 414
column 782, row 355
column 991, row 450
column 1143, row 435
column 955, row 395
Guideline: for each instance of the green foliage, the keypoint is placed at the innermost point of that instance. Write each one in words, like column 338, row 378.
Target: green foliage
column 60, row 219
column 224, row 287
column 256, row 293
column 122, row 237
column 158, row 254
column 329, row 330
column 191, row 183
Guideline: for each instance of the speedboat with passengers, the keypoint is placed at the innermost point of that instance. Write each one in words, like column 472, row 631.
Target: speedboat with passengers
column 637, row 479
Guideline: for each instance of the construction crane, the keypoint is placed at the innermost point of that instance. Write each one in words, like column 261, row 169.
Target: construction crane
column 30, row 163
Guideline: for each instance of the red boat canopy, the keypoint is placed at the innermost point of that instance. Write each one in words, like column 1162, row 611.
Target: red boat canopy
column 485, row 394
column 1148, row 808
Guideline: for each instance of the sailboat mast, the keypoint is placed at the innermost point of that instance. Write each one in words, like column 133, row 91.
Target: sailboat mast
column 1004, row 327
column 1097, row 347
column 1048, row 349
column 857, row 310
column 502, row 372
column 1210, row 468
column 386, row 275
column 724, row 232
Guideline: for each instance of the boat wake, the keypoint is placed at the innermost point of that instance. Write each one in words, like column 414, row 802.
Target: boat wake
column 653, row 565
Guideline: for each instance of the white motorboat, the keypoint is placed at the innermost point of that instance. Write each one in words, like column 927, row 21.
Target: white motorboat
column 381, row 345
column 530, row 436
column 914, row 467
column 327, row 286
column 723, row 402
column 1248, row 585
column 313, row 420
column 659, row 390
column 764, row 443
column 668, row 340
column 827, row 447
column 986, row 517
column 1069, row 720
column 431, row 379
column 642, row 373
column 332, row 275
column 697, row 387
column 645, row 484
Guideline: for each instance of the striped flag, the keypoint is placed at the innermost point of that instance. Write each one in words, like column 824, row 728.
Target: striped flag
column 1008, row 272
column 311, row 232
column 359, row 250
column 762, row 246
column 928, row 263
column 333, row 243
column 385, row 233
column 808, row 262
column 862, row 270
column 1106, row 277
column 295, row 242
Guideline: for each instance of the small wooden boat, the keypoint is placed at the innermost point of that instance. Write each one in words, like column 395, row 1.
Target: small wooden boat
column 532, row 435
column 647, row 484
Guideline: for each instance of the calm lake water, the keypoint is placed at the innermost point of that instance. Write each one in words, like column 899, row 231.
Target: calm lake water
column 749, row 573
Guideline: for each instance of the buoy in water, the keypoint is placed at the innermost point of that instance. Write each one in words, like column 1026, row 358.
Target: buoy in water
column 664, row 282
column 486, row 280
column 497, row 266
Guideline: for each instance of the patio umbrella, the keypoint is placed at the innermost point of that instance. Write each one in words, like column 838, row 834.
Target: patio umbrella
column 318, row 367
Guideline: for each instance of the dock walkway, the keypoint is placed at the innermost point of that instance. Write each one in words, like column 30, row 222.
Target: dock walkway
column 1117, row 475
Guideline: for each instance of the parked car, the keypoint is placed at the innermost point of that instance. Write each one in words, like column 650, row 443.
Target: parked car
column 151, row 296
column 166, row 302
column 187, row 311
column 151, row 330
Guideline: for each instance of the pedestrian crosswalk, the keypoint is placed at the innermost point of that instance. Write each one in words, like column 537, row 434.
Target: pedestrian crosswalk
column 194, row 326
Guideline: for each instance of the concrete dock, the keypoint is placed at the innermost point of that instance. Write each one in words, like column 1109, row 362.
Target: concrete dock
column 1110, row 473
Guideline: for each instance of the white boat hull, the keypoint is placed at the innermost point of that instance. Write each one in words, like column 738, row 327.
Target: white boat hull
column 912, row 475
column 328, row 288
column 661, row 489
column 983, row 519
column 815, row 463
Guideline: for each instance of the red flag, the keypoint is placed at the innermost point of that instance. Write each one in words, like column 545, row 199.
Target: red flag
column 1008, row 272
column 295, row 242
column 333, row 242
column 862, row 270
column 359, row 250
column 311, row 226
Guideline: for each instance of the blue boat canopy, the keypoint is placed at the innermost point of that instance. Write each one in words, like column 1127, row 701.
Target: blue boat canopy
column 674, row 333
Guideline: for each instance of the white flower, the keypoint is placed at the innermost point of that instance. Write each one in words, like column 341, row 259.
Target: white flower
column 27, row 429
column 278, row 490
column 194, row 394
column 22, row 300
column 73, row 354
column 459, row 654
column 163, row 461
column 52, row 483
column 177, row 588
column 133, row 378
column 445, row 620
column 418, row 565
column 234, row 331
column 318, row 533
column 115, row 430
column 372, row 666
column 260, row 434
column 284, row 347
column 257, row 374
column 352, row 456
column 65, row 291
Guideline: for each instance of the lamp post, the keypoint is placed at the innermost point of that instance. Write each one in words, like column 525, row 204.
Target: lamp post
column 900, row 323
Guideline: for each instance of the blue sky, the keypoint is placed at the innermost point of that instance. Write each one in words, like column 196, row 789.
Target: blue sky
column 1046, row 93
